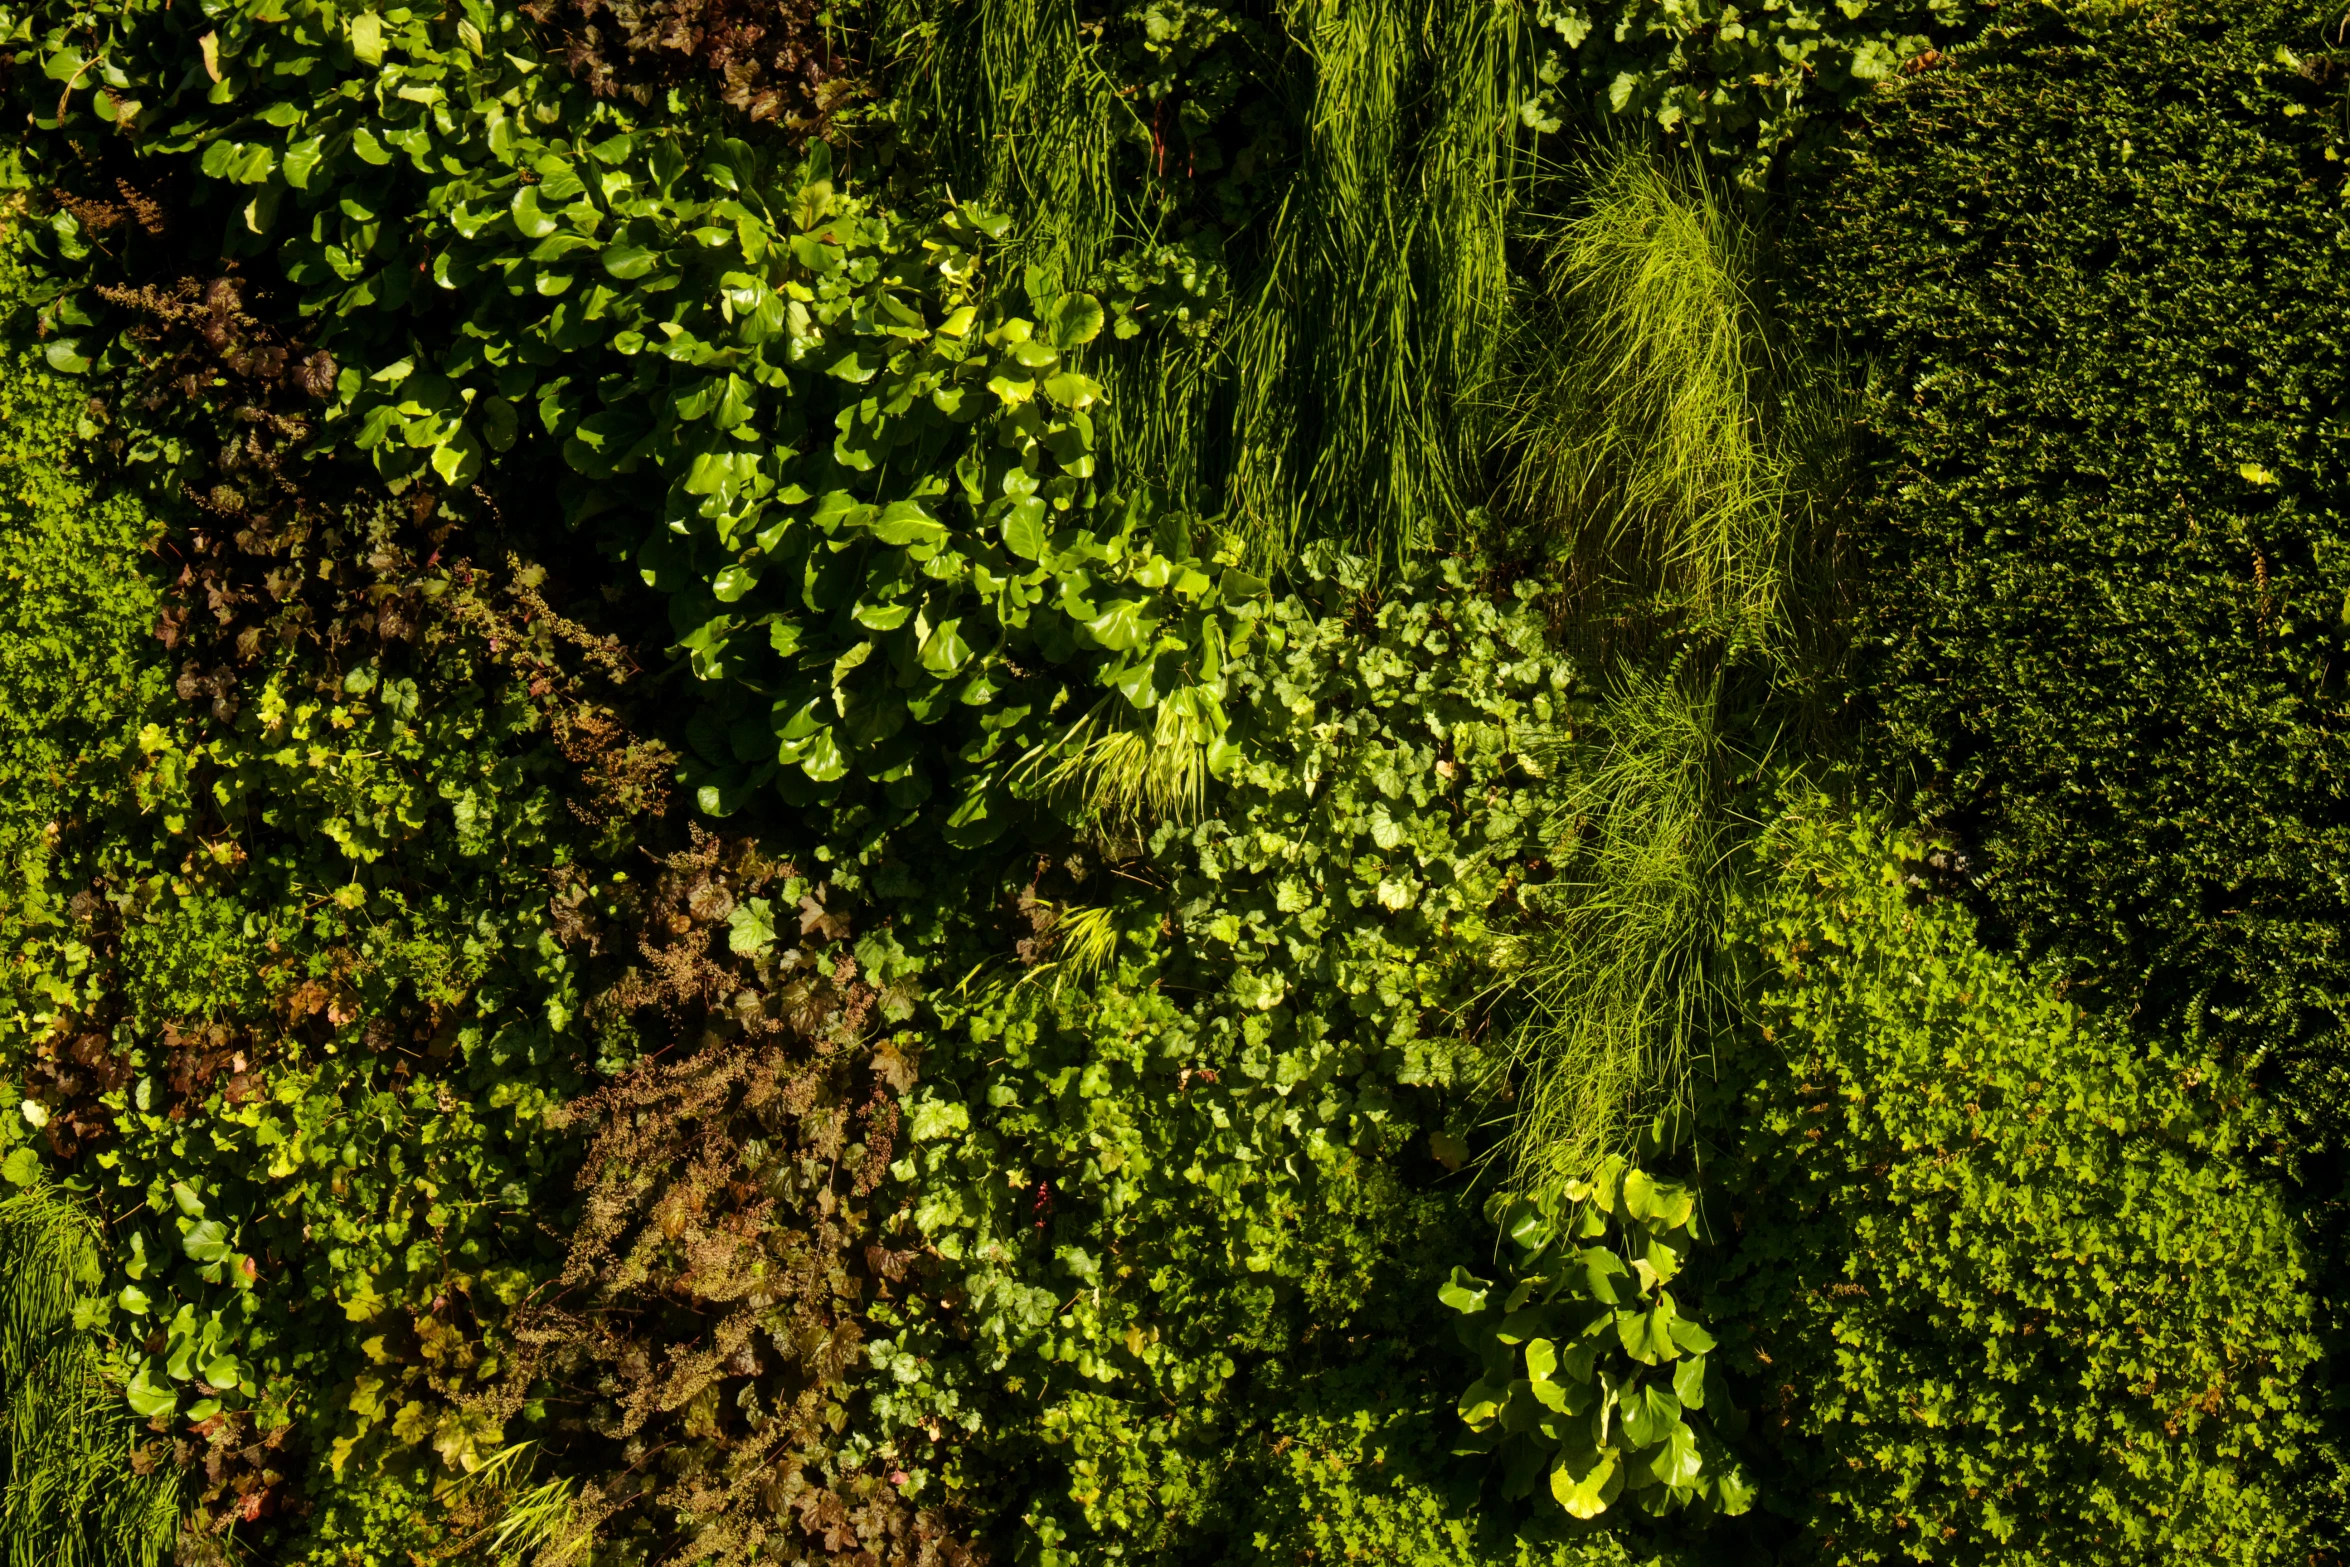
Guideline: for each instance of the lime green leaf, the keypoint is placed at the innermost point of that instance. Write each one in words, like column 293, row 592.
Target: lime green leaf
column 1647, row 1335
column 22, row 1167
column 1074, row 319
column 206, row 1241
column 1648, row 1413
column 751, row 927
column 1585, row 1484
column 65, row 356
column 904, row 523
column 1464, row 1292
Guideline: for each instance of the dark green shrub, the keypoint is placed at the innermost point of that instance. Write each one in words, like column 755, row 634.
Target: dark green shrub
column 2103, row 566
column 2002, row 1286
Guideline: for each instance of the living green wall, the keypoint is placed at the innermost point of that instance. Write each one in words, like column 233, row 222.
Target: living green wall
column 682, row 908
column 2098, row 573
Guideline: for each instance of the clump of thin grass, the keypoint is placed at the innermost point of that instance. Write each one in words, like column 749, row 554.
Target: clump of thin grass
column 1613, row 963
column 1362, row 296
column 1635, row 419
column 68, row 1497
column 542, row 1525
column 1122, row 767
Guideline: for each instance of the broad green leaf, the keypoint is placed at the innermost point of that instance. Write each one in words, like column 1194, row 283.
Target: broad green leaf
column 1691, row 1337
column 1648, row 1412
column 529, row 221
column 1120, row 627
column 823, row 761
column 1024, row 529
column 944, row 652
column 1585, row 1486
column 206, row 1241
column 64, row 355
column 1464, row 1291
column 629, row 262
column 904, row 523
column 22, row 1167
column 1689, row 1382
column 1647, row 1335
column 751, row 927
column 1482, row 1402
column 147, row 1397
column 1074, row 319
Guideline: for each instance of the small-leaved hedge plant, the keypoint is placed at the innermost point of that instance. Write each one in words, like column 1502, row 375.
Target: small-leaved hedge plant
column 1998, row 1283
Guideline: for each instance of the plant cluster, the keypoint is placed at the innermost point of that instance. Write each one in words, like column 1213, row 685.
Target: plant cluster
column 2104, row 559
column 2000, row 1283
column 1596, row 1382
column 1237, row 661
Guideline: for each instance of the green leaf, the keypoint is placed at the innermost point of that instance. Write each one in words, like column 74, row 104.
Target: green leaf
column 1585, row 1484
column 147, row 1397
column 22, row 1167
column 1691, row 1337
column 1120, row 627
column 629, row 262
column 529, row 221
column 1024, row 529
column 751, row 928
column 1074, row 319
column 1464, row 1292
column 822, row 760
column 64, row 355
column 1647, row 1336
column 1689, row 1382
column 904, row 523
column 206, row 1241
column 302, row 159
column 944, row 652
column 1648, row 1413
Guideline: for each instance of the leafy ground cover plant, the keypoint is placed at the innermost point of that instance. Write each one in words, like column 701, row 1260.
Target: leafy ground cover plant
column 2100, row 564
column 1597, row 1383
column 2002, row 1284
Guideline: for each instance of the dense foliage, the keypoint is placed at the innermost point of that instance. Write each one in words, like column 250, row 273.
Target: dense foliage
column 943, row 783
column 2007, row 1286
column 2103, row 558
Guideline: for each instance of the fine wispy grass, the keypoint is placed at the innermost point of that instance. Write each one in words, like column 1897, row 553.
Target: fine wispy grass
column 1614, row 966
column 68, row 1494
column 1648, row 441
column 1362, row 299
column 1640, row 438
